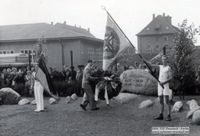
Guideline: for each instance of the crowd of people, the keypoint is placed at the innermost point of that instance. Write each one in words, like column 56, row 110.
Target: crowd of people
column 19, row 79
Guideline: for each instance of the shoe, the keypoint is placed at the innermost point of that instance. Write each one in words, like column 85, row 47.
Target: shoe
column 94, row 109
column 37, row 110
column 168, row 118
column 83, row 107
column 160, row 117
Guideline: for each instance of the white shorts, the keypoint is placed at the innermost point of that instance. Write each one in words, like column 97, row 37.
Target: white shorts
column 164, row 91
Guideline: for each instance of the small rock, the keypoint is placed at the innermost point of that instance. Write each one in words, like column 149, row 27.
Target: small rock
column 74, row 97
column 145, row 104
column 177, row 106
column 68, row 99
column 125, row 97
column 23, row 101
column 52, row 101
column 33, row 102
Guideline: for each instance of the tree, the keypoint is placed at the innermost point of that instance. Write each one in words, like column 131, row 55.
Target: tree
column 183, row 67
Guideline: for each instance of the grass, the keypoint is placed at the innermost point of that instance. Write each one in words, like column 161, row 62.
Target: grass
column 70, row 120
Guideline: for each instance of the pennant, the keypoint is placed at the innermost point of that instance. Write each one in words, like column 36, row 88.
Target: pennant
column 114, row 43
column 43, row 76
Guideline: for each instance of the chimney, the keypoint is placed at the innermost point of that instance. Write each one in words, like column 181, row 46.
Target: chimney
column 51, row 23
column 154, row 16
column 64, row 23
column 163, row 14
column 88, row 29
column 169, row 19
column 75, row 25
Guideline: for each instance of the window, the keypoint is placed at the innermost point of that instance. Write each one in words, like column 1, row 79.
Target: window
column 166, row 38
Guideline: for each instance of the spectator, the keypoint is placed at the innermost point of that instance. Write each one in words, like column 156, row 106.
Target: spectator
column 79, row 77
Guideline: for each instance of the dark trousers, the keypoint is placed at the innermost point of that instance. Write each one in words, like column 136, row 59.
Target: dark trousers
column 89, row 96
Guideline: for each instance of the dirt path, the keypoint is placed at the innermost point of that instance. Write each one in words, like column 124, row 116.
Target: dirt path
column 69, row 120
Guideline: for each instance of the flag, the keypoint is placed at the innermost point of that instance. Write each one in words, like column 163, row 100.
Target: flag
column 43, row 76
column 114, row 42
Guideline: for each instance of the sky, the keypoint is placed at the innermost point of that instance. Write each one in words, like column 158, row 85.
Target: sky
column 131, row 15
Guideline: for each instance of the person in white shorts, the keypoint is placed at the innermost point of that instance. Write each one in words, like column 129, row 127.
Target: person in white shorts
column 164, row 92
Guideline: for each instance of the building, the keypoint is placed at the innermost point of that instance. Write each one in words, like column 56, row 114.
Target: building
column 158, row 33
column 58, row 39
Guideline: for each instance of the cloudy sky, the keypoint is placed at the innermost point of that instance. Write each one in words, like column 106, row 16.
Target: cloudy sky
column 131, row 15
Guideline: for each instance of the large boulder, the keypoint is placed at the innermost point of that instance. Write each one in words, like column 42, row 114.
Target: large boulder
column 138, row 81
column 9, row 96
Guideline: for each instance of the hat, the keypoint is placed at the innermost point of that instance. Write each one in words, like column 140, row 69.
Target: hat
column 89, row 61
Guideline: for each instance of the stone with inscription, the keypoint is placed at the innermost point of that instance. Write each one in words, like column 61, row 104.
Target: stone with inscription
column 138, row 81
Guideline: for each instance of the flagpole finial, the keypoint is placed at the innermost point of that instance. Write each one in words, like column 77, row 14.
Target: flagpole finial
column 103, row 7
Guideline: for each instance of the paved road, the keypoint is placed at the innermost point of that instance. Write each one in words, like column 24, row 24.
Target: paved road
column 69, row 120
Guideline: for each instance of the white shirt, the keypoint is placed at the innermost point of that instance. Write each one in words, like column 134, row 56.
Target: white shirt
column 164, row 73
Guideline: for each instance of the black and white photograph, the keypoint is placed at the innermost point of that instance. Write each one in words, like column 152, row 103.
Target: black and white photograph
column 99, row 68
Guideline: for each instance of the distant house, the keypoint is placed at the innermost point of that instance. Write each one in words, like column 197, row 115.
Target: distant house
column 157, row 34
column 59, row 40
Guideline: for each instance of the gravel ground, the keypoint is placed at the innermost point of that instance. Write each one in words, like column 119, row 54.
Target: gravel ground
column 70, row 120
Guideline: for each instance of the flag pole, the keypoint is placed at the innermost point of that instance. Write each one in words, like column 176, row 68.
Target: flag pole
column 103, row 7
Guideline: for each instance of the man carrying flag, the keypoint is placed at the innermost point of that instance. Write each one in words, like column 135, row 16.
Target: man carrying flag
column 116, row 41
column 42, row 80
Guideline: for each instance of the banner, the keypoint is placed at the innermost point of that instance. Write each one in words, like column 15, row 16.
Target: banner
column 43, row 76
column 114, row 42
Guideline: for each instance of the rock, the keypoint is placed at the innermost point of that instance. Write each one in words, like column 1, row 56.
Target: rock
column 193, row 105
column 52, row 101
column 33, row 102
column 177, row 106
column 68, row 99
column 74, row 97
column 9, row 96
column 196, row 117
column 190, row 114
column 194, row 112
column 125, row 97
column 138, row 81
column 145, row 104
column 23, row 101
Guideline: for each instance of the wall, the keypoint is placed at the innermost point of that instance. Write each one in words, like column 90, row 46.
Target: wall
column 17, row 46
column 154, row 43
column 58, row 52
column 91, row 50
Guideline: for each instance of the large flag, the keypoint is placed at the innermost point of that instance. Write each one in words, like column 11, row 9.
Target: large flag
column 114, row 42
column 43, row 76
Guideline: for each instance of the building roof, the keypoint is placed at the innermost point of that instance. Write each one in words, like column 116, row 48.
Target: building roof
column 41, row 30
column 160, row 24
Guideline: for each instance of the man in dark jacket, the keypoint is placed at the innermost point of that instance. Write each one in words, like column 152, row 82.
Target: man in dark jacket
column 89, row 94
